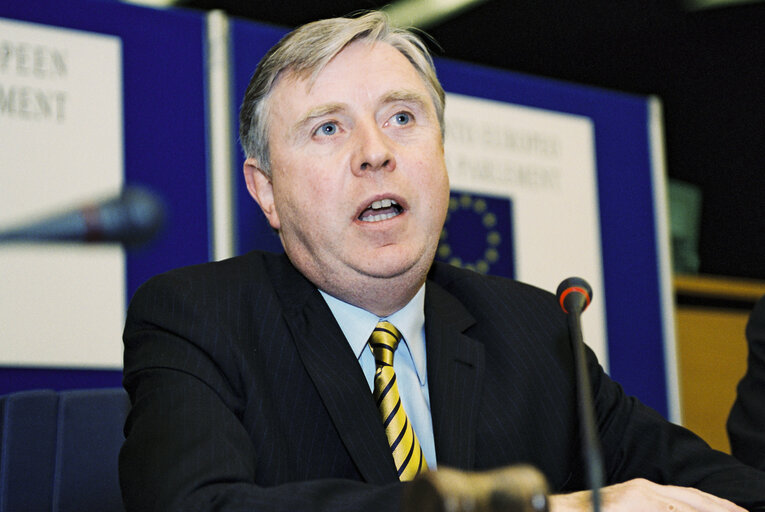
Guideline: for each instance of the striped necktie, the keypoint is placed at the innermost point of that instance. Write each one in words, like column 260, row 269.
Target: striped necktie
column 405, row 447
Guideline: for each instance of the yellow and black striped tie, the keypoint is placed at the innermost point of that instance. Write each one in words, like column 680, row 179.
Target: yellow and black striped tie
column 404, row 445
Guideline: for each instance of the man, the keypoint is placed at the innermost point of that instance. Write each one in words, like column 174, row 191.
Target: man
column 252, row 382
column 746, row 423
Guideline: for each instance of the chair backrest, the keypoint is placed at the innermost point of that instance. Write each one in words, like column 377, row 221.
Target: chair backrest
column 59, row 450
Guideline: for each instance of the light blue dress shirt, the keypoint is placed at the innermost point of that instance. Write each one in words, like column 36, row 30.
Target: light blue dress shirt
column 410, row 361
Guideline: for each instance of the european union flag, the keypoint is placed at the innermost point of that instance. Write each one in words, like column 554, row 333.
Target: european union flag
column 478, row 234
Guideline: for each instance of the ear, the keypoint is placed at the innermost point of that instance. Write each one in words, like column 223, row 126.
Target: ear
column 261, row 189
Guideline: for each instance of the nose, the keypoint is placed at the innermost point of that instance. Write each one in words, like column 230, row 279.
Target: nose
column 373, row 150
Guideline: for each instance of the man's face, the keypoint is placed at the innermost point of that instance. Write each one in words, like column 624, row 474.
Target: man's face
column 359, row 188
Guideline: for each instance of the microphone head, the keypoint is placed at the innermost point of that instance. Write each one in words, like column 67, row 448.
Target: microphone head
column 132, row 218
column 574, row 294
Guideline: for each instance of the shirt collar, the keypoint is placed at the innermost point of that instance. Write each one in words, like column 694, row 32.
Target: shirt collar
column 357, row 324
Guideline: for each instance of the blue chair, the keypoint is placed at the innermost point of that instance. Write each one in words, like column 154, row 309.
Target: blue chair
column 58, row 450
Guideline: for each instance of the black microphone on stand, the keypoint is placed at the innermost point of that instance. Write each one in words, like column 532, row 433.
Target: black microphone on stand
column 132, row 218
column 517, row 488
column 574, row 295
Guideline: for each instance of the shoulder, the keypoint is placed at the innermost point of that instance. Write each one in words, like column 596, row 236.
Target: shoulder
column 215, row 275
column 255, row 261
column 755, row 328
column 241, row 280
column 479, row 292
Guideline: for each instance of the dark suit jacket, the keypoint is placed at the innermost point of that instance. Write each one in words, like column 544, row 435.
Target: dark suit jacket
column 746, row 423
column 246, row 396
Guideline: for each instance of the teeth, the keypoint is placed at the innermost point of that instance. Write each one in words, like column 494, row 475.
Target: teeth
column 380, row 205
column 379, row 217
column 385, row 203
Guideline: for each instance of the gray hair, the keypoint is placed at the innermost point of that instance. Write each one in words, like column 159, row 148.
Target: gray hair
column 306, row 51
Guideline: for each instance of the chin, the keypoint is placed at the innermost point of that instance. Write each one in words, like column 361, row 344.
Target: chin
column 388, row 268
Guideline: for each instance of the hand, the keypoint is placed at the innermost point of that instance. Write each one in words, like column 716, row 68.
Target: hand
column 643, row 495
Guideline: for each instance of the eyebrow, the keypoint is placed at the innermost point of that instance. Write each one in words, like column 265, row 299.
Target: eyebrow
column 316, row 112
column 405, row 96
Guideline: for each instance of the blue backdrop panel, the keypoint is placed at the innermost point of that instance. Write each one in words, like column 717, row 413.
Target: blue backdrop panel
column 18, row 379
column 165, row 137
column 625, row 188
column 249, row 42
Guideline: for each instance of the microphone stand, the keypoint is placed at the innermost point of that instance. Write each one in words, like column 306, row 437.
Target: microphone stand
column 574, row 295
column 590, row 444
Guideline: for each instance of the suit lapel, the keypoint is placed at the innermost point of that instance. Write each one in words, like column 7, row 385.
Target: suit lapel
column 337, row 375
column 455, row 373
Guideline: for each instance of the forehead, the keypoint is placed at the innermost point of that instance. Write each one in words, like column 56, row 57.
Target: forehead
column 362, row 71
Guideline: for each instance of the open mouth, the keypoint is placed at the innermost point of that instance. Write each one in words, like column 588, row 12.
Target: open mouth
column 383, row 209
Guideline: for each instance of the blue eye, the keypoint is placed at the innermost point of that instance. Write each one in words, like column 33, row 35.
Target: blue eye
column 328, row 128
column 402, row 118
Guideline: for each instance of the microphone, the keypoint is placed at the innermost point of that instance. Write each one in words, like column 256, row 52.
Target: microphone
column 574, row 295
column 520, row 488
column 132, row 218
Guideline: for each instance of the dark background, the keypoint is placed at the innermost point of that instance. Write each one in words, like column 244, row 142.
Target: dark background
column 706, row 65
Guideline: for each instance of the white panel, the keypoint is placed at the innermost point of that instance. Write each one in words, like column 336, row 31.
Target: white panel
column 545, row 163
column 62, row 145
column 664, row 258
column 219, row 107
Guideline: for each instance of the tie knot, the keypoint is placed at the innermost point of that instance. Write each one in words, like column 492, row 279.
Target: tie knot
column 383, row 342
